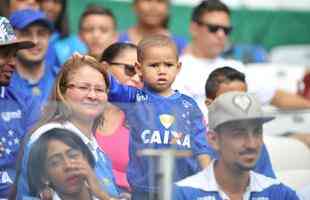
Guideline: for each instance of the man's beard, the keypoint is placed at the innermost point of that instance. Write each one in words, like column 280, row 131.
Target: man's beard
column 28, row 63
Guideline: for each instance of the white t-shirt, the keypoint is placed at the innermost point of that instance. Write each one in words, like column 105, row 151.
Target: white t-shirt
column 195, row 71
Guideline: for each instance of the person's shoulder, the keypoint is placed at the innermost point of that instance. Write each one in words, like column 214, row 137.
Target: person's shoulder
column 186, row 99
column 123, row 37
column 197, row 180
column 222, row 62
column 271, row 187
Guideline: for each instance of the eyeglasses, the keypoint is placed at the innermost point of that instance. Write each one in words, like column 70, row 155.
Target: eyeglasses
column 58, row 160
column 84, row 89
column 215, row 28
column 129, row 69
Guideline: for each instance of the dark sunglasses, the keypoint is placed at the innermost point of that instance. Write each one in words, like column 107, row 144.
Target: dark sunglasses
column 214, row 28
column 129, row 69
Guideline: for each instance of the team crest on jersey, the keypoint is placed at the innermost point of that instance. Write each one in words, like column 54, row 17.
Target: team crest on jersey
column 166, row 120
column 206, row 198
column 7, row 116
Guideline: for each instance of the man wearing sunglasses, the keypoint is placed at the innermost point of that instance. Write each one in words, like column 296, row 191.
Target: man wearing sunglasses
column 210, row 28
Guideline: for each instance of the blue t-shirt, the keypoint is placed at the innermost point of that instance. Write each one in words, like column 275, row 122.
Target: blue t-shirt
column 180, row 42
column 41, row 90
column 17, row 114
column 103, row 167
column 203, row 186
column 159, row 122
column 66, row 47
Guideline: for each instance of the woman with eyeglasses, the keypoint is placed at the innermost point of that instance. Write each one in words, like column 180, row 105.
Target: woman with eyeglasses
column 77, row 103
column 113, row 134
column 60, row 162
column 152, row 18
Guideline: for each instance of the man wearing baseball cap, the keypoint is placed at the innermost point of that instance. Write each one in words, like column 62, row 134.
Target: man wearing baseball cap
column 15, row 114
column 34, row 75
column 236, row 125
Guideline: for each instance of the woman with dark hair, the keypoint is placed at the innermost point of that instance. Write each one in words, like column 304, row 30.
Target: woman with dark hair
column 113, row 135
column 56, row 13
column 60, row 166
column 77, row 103
column 152, row 18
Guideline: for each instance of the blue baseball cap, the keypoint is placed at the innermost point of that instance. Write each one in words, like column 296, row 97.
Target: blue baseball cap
column 21, row 19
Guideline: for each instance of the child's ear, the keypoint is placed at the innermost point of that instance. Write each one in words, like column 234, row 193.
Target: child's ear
column 105, row 65
column 212, row 137
column 179, row 66
column 208, row 101
column 138, row 68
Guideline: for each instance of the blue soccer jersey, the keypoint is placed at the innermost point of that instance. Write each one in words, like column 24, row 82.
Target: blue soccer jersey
column 17, row 115
column 159, row 122
column 40, row 90
column 203, row 186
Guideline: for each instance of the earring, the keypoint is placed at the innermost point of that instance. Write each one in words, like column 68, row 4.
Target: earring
column 47, row 192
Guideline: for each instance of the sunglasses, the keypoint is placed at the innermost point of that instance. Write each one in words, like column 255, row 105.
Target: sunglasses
column 129, row 69
column 215, row 28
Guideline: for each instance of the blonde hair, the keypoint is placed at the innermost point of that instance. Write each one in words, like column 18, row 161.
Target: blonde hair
column 58, row 109
column 155, row 40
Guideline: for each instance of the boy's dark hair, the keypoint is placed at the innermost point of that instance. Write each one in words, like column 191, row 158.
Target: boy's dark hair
column 156, row 40
column 93, row 9
column 38, row 156
column 220, row 75
column 114, row 50
column 208, row 6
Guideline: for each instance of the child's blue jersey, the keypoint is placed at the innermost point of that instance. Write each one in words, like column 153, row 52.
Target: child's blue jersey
column 203, row 186
column 17, row 115
column 160, row 122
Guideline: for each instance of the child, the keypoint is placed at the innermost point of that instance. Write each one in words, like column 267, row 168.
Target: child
column 160, row 117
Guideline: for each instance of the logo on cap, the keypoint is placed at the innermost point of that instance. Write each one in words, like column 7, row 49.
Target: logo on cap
column 243, row 102
column 6, row 31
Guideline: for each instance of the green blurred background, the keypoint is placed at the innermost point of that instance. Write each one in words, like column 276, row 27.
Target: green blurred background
column 266, row 27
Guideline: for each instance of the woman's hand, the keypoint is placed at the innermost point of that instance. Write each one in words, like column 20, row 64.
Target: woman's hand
column 82, row 168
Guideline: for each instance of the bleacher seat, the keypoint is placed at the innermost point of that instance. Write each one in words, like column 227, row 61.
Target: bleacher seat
column 287, row 153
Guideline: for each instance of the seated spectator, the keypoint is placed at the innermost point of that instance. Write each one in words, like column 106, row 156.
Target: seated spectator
column 159, row 118
column 113, row 134
column 227, row 79
column 152, row 18
column 34, row 76
column 56, row 13
column 236, row 131
column 17, row 112
column 76, row 104
column 97, row 30
column 60, row 161
column 211, row 18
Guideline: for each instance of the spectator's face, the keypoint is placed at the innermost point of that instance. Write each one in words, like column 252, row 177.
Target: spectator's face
column 52, row 8
column 39, row 35
column 23, row 4
column 239, row 144
column 60, row 169
column 231, row 86
column 98, row 32
column 211, row 42
column 152, row 12
column 7, row 64
column 86, row 93
column 123, row 68
column 159, row 68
